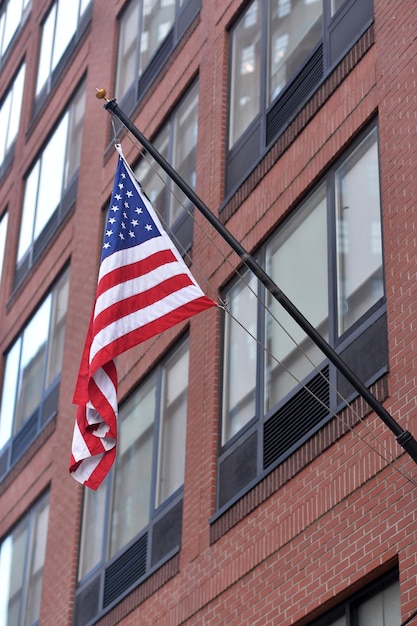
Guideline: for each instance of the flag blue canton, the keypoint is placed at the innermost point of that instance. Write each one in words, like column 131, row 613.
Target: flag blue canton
column 129, row 222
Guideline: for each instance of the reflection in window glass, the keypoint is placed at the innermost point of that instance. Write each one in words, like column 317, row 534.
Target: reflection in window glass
column 245, row 72
column 327, row 259
column 157, row 20
column 297, row 261
column 177, row 142
column 22, row 556
column 379, row 605
column 44, row 191
column 126, row 58
column 32, row 358
column 133, row 469
column 58, row 29
column 239, row 382
column 173, row 426
column 92, row 537
column 10, row 114
column 295, row 30
column 12, row 13
column 149, row 466
column 3, row 232
column 50, row 187
column 359, row 237
column 27, row 377
column 143, row 27
column 382, row 608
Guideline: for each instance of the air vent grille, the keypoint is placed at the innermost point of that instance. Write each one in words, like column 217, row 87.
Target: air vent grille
column 297, row 418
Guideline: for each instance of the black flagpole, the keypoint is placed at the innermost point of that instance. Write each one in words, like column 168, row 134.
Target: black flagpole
column 404, row 437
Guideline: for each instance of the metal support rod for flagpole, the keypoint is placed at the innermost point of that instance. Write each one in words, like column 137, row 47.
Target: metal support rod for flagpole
column 404, row 437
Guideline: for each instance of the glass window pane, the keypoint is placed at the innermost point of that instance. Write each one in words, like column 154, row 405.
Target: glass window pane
column 84, row 4
column 22, row 555
column 76, row 117
column 184, row 151
column 245, row 72
column 32, row 363
column 297, row 262
column 44, row 66
column 57, row 329
column 66, row 25
column 17, row 98
column 240, row 347
column 51, row 176
column 15, row 576
column 359, row 237
column 28, row 215
column 2, row 40
column 133, row 468
column 382, row 608
column 36, row 562
column 3, row 232
column 92, row 537
column 13, row 17
column 173, row 426
column 4, row 125
column 153, row 179
column 126, row 58
column 6, row 550
column 157, row 19
column 8, row 400
column 296, row 28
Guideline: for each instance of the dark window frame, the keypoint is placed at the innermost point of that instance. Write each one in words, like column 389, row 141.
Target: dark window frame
column 257, row 446
column 340, row 32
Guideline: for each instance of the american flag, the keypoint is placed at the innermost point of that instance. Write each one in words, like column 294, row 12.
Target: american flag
column 144, row 287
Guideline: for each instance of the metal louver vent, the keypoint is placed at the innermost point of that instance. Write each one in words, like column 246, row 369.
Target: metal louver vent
column 291, row 100
column 297, row 418
column 125, row 571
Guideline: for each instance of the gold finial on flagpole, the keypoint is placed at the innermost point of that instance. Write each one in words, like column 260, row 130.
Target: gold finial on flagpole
column 101, row 94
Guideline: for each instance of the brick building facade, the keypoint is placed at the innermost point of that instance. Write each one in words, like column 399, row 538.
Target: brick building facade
column 252, row 485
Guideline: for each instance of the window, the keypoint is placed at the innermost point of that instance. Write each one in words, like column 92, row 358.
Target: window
column 31, row 376
column 280, row 51
column 50, row 187
column 133, row 521
column 177, row 142
column 22, row 556
column 12, row 15
column 10, row 118
column 3, row 231
column 148, row 32
column 377, row 604
column 62, row 28
column 327, row 259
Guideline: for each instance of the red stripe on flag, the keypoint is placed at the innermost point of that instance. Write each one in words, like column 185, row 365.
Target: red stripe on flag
column 147, row 290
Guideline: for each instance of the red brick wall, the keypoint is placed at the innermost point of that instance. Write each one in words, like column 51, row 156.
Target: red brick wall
column 348, row 515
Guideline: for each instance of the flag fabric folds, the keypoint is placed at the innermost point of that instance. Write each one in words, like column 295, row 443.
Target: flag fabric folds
column 144, row 287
